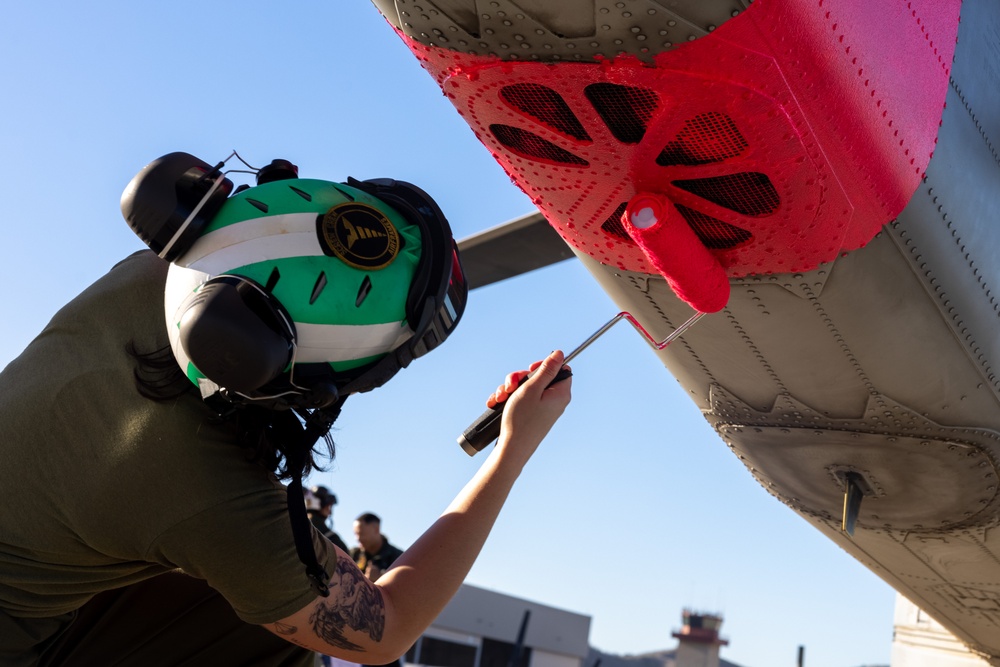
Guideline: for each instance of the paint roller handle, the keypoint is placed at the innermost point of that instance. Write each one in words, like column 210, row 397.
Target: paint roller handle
column 486, row 428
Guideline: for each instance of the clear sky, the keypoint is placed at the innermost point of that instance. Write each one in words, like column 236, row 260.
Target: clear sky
column 632, row 509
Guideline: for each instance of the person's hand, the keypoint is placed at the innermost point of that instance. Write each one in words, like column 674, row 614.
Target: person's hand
column 532, row 406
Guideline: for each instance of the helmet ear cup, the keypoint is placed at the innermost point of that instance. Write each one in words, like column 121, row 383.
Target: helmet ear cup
column 236, row 333
column 165, row 194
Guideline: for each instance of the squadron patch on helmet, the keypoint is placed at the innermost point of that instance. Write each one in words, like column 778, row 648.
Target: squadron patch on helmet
column 358, row 234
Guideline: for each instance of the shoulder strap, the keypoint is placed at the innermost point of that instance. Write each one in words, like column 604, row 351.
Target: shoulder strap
column 299, row 440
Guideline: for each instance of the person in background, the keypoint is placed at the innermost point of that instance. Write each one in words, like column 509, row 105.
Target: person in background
column 319, row 504
column 374, row 555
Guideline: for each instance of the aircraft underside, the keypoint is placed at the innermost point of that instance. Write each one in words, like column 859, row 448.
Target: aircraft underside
column 855, row 349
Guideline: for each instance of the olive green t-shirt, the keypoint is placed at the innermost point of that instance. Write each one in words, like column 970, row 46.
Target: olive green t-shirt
column 103, row 487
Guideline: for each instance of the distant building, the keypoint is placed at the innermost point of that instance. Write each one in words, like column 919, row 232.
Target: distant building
column 481, row 628
column 656, row 659
column 699, row 640
column 698, row 645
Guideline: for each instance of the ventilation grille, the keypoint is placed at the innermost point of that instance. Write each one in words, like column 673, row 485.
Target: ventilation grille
column 706, row 138
column 625, row 110
column 532, row 146
column 613, row 225
column 714, row 233
column 546, row 106
column 749, row 193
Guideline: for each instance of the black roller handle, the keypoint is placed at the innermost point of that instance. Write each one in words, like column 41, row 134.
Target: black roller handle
column 486, row 428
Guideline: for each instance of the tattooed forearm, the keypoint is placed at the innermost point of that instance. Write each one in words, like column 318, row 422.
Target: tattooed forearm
column 284, row 628
column 353, row 603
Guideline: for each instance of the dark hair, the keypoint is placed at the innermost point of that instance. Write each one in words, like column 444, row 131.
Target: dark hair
column 157, row 375
column 264, row 434
column 368, row 517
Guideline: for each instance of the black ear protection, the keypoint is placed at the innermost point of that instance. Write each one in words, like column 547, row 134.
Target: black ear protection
column 234, row 331
column 237, row 333
column 171, row 200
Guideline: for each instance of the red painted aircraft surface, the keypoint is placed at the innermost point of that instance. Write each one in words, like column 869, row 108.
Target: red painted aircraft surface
column 820, row 176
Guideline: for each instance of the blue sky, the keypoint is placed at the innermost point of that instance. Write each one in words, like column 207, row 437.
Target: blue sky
column 631, row 510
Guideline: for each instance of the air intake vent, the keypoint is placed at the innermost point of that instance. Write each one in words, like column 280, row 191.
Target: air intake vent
column 714, row 233
column 533, row 147
column 613, row 225
column 545, row 105
column 706, row 138
column 749, row 193
column 625, row 110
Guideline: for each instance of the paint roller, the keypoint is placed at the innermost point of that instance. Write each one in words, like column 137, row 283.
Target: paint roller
column 675, row 251
column 672, row 247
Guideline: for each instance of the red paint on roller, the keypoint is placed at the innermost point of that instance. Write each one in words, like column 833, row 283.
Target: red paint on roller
column 693, row 273
column 790, row 134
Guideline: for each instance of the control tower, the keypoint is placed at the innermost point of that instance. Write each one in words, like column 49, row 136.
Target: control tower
column 699, row 640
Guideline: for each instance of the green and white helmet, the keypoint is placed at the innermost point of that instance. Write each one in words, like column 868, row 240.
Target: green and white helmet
column 296, row 291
